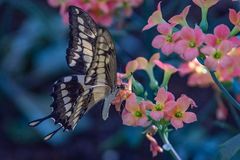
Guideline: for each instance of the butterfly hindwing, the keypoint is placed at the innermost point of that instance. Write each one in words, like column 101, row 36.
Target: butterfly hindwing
column 65, row 93
column 103, row 68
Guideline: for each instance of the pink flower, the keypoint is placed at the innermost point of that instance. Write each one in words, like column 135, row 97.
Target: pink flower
column 131, row 67
column 164, row 101
column 205, row 3
column 179, row 112
column 199, row 75
column 154, row 147
column 181, row 18
column 232, row 70
column 221, row 32
column 191, row 39
column 134, row 114
column 166, row 41
column 217, row 55
column 155, row 18
column 234, row 18
column 166, row 67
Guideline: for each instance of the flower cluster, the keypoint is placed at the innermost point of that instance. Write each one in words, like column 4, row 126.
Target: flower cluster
column 165, row 109
column 210, row 58
column 102, row 11
column 219, row 49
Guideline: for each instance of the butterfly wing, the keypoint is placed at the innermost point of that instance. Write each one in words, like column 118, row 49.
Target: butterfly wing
column 83, row 37
column 104, row 66
column 71, row 100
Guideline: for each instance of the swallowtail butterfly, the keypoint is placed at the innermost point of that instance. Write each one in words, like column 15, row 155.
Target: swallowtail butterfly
column 91, row 54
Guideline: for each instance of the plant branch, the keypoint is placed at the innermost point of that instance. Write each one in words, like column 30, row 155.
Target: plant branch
column 166, row 142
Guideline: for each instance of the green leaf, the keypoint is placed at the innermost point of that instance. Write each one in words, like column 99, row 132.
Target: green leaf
column 230, row 148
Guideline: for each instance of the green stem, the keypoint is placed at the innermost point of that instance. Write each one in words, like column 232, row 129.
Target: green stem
column 153, row 82
column 221, row 87
column 166, row 78
column 224, row 91
column 234, row 31
column 204, row 22
column 165, row 140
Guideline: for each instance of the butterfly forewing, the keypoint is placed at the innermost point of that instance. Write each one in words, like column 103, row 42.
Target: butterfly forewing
column 83, row 37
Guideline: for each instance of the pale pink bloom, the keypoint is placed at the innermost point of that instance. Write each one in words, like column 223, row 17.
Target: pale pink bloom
column 164, row 102
column 191, row 40
column 181, row 18
column 216, row 56
column 142, row 63
column 154, row 147
column 205, row 3
column 166, row 40
column 166, row 67
column 232, row 70
column 128, row 5
column 179, row 112
column 131, row 67
column 134, row 114
column 234, row 18
column 155, row 18
column 199, row 75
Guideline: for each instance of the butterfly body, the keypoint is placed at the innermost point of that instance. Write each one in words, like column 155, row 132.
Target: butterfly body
column 91, row 54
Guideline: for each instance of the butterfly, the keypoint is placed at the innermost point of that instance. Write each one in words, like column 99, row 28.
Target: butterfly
column 91, row 54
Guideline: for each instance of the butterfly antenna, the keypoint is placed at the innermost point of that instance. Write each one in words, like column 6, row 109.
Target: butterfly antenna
column 36, row 122
column 50, row 135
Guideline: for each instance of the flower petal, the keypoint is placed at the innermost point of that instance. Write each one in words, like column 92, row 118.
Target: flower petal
column 176, row 123
column 158, row 41
column 189, row 117
column 222, row 31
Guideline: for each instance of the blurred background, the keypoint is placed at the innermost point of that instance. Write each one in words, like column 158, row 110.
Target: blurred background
column 33, row 41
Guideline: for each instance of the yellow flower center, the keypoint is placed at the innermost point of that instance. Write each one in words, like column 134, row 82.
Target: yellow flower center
column 169, row 38
column 158, row 107
column 217, row 55
column 138, row 114
column 178, row 114
column 218, row 41
column 192, row 44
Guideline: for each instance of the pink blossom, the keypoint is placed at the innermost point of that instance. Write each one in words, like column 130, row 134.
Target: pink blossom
column 205, row 3
column 234, row 18
column 141, row 63
column 181, row 18
column 198, row 74
column 187, row 46
column 154, row 147
column 216, row 56
column 232, row 70
column 134, row 114
column 164, row 101
column 179, row 112
column 166, row 67
column 131, row 67
column 155, row 18
column 221, row 32
column 166, row 40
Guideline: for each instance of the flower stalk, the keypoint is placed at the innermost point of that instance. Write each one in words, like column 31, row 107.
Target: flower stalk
column 163, row 134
